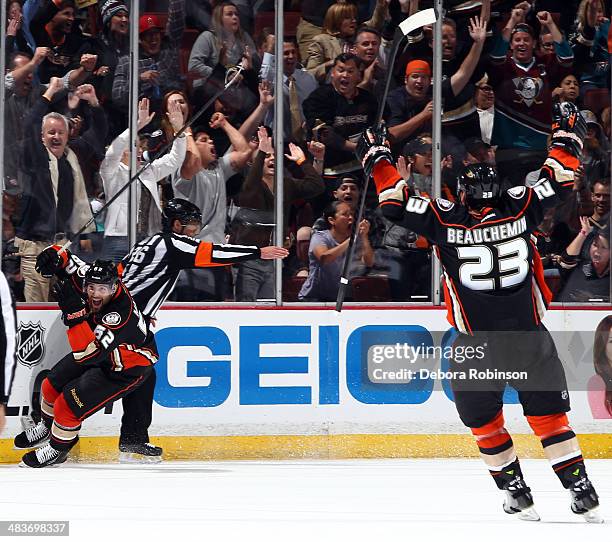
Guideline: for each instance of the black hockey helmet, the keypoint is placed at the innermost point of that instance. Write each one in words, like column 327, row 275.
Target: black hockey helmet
column 182, row 210
column 102, row 272
column 480, row 184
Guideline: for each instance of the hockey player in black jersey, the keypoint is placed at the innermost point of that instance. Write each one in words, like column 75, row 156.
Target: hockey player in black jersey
column 112, row 354
column 496, row 298
column 150, row 272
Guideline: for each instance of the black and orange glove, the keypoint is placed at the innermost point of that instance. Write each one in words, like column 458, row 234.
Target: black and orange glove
column 73, row 306
column 372, row 147
column 50, row 261
column 568, row 128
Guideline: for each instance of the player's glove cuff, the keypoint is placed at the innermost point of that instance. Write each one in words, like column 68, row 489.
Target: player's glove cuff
column 568, row 141
column 375, row 155
column 569, row 128
column 72, row 319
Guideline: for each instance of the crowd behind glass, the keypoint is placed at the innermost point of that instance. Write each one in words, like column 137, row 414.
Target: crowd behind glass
column 504, row 64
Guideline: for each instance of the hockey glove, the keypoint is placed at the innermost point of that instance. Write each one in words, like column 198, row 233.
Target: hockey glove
column 71, row 303
column 50, row 261
column 568, row 128
column 373, row 147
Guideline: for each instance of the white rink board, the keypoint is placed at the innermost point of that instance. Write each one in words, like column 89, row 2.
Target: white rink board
column 292, row 372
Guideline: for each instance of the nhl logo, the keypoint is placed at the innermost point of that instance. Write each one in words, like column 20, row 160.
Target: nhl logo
column 30, row 343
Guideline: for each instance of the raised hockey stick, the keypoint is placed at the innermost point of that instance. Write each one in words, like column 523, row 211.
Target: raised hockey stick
column 195, row 117
column 418, row 20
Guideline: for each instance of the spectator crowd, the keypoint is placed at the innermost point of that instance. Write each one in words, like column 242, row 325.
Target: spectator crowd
column 504, row 64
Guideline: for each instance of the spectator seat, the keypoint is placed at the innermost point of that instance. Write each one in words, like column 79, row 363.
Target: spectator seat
column 596, row 99
column 371, row 288
column 292, row 287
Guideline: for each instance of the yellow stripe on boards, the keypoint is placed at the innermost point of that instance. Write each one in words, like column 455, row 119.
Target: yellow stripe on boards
column 200, row 448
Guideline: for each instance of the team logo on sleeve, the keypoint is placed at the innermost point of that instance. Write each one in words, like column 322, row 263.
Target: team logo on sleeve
column 111, row 319
column 444, row 204
column 517, row 192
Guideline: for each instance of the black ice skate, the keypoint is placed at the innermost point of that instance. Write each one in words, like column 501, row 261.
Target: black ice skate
column 518, row 498
column 585, row 501
column 33, row 437
column 142, row 452
column 47, row 456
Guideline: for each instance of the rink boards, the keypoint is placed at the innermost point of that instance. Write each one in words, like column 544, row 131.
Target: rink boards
column 308, row 382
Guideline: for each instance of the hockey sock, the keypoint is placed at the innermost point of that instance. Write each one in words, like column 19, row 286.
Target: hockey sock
column 48, row 396
column 560, row 446
column 503, row 476
column 66, row 426
column 495, row 445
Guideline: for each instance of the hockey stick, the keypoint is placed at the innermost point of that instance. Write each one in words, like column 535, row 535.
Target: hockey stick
column 418, row 20
column 195, row 117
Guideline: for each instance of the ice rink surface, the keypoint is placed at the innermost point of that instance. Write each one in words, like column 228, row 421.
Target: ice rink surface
column 373, row 500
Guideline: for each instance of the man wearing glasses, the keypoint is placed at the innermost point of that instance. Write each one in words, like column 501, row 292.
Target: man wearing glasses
column 484, row 100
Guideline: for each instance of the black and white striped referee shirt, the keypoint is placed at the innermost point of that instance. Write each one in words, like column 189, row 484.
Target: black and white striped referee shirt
column 151, row 269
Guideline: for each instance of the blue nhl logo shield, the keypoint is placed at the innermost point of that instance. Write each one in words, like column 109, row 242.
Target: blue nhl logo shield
column 30, row 343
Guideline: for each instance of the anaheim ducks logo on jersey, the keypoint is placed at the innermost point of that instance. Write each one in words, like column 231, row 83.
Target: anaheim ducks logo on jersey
column 528, row 89
column 517, row 192
column 111, row 319
column 444, row 204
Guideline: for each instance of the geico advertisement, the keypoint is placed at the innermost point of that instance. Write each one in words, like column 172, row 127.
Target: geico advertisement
column 229, row 371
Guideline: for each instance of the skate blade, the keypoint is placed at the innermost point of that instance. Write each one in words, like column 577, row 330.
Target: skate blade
column 129, row 457
column 593, row 516
column 35, row 447
column 529, row 514
column 52, row 466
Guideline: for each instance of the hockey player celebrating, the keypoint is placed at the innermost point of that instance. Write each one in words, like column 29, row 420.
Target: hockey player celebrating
column 111, row 356
column 494, row 291
column 150, row 272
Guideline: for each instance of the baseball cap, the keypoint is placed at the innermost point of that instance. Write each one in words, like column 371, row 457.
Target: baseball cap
column 590, row 117
column 419, row 145
column 418, row 66
column 350, row 178
column 149, row 22
column 155, row 141
column 475, row 145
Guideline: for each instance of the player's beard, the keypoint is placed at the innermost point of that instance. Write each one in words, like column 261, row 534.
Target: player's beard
column 96, row 305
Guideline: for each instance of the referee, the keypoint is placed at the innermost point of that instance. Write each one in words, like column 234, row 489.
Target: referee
column 7, row 345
